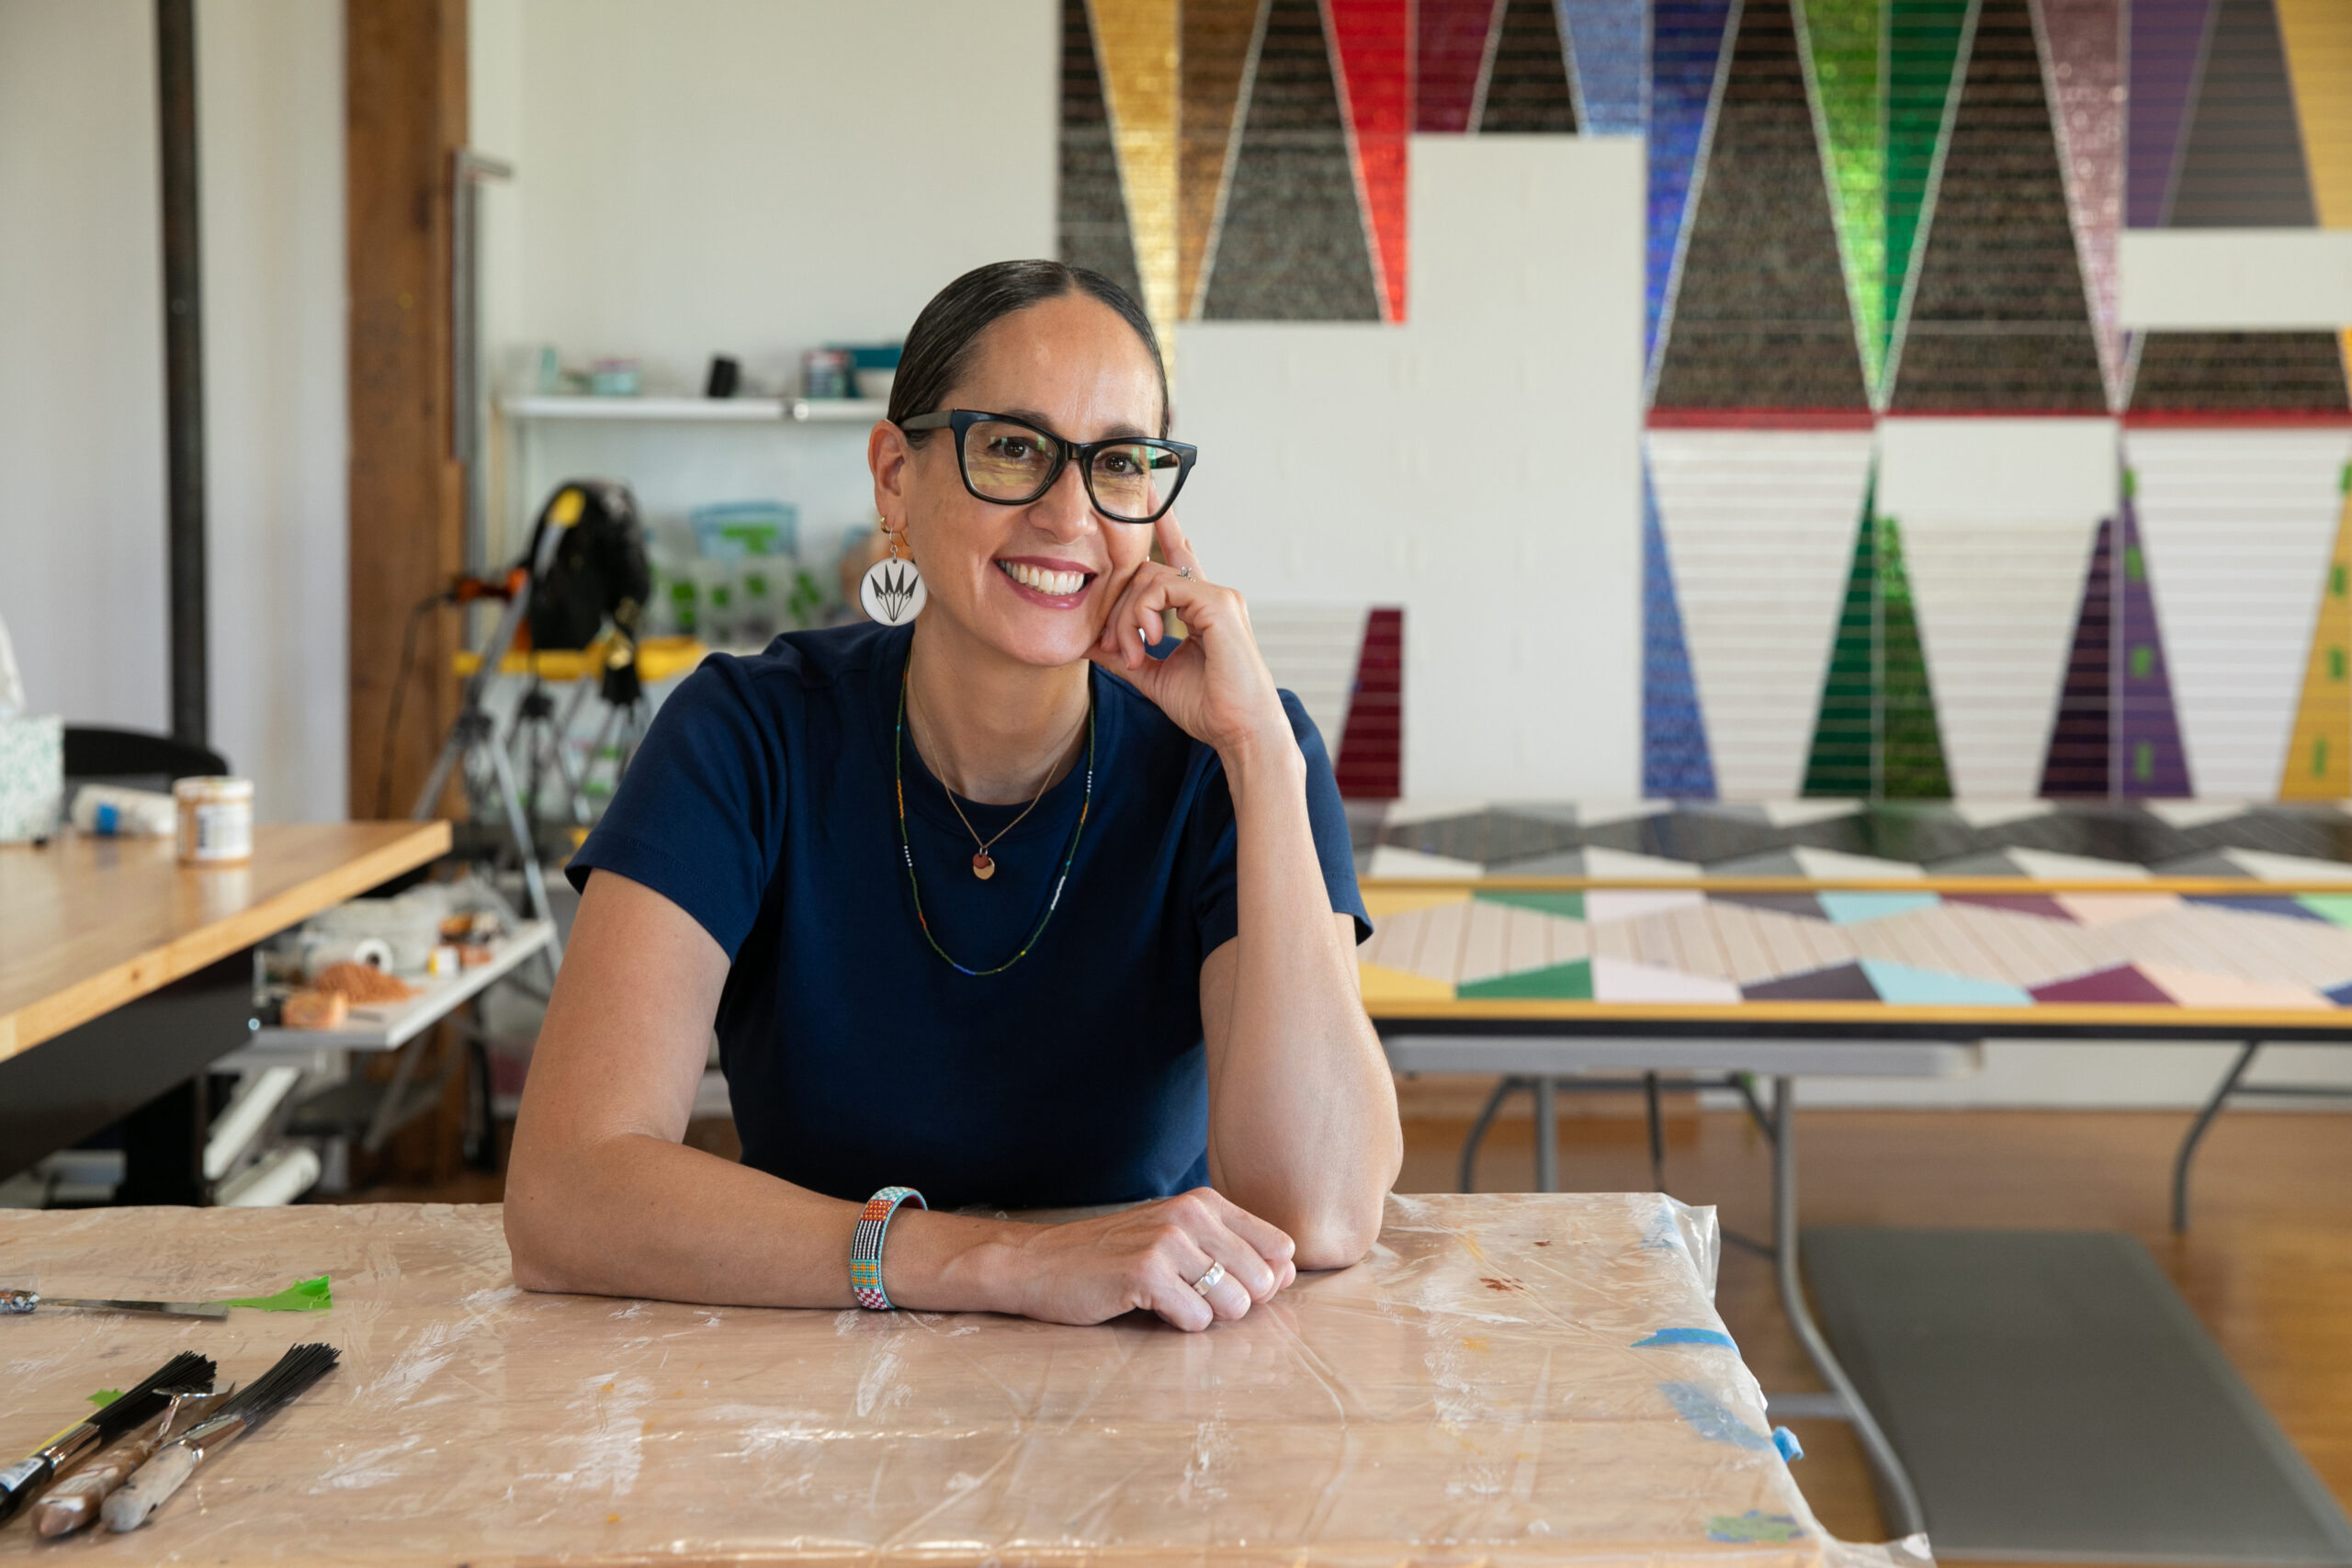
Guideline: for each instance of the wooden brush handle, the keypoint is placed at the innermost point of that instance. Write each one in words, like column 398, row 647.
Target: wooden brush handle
column 150, row 1487
column 73, row 1502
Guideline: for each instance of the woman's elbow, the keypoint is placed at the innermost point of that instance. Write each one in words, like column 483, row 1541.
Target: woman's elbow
column 535, row 1231
column 1339, row 1238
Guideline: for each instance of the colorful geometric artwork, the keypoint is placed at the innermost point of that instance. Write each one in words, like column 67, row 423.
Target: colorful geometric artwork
column 1451, row 57
column 2276, row 955
column 1609, row 46
column 2187, row 374
column 2116, row 732
column 2241, row 159
column 1370, row 759
column 1528, row 88
column 1844, row 41
column 1876, row 733
column 2166, row 52
column 2084, row 71
column 2318, row 754
column 1998, row 319
column 1135, row 45
column 1374, row 42
column 1758, row 316
column 1926, row 45
column 1686, row 55
column 1219, row 41
column 1092, row 224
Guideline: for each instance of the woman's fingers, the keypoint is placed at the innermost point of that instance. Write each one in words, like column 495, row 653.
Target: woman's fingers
column 1268, row 1241
column 1174, row 544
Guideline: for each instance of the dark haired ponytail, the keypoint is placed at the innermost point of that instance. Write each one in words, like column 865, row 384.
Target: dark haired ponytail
column 939, row 345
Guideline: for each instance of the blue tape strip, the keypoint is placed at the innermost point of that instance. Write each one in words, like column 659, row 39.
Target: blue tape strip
column 1786, row 1441
column 1687, row 1336
column 1710, row 1419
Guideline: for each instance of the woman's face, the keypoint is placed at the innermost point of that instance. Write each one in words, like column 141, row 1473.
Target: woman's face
column 1074, row 369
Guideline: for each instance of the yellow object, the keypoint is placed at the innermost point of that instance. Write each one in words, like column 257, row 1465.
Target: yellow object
column 1383, row 987
column 2318, row 759
column 1136, row 43
column 2317, row 35
column 658, row 659
column 566, row 508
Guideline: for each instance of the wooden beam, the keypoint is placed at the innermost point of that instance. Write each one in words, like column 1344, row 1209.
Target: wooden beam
column 404, row 121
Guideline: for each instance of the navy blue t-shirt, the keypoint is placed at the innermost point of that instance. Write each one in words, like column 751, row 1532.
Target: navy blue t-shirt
column 762, row 804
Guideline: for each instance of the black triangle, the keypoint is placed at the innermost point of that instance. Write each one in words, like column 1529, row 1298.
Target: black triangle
column 1091, row 225
column 2240, row 373
column 1527, row 85
column 2243, row 164
column 1999, row 318
column 1293, row 247
column 1760, row 319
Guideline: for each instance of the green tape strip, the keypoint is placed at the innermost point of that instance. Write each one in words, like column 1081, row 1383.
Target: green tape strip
column 105, row 1397
column 306, row 1295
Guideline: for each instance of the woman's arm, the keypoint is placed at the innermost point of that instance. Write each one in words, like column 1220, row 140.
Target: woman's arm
column 1302, row 1106
column 603, row 1198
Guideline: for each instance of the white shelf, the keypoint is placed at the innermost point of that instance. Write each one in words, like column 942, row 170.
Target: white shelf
column 718, row 411
column 393, row 1024
column 700, row 411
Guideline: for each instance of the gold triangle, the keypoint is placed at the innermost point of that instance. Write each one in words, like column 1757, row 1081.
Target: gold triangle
column 1136, row 42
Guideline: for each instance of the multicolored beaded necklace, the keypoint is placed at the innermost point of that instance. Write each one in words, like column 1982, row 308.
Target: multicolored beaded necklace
column 906, row 847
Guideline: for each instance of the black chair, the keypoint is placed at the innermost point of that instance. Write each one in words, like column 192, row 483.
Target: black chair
column 133, row 757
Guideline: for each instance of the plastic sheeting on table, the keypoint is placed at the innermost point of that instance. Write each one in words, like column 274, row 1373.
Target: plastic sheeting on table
column 1474, row 1392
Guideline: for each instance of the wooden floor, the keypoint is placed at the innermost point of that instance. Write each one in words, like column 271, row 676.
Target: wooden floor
column 2266, row 1264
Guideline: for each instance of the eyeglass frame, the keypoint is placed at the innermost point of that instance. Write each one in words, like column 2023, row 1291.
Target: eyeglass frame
column 960, row 420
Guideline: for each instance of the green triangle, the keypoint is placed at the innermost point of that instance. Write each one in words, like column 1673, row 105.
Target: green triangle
column 1923, row 77
column 2335, row 907
column 1876, row 733
column 1843, row 42
column 303, row 1295
column 1566, row 905
column 1558, row 982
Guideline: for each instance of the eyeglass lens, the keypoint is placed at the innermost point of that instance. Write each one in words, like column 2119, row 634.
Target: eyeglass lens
column 1010, row 462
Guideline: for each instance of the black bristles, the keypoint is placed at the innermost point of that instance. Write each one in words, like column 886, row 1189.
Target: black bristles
column 186, row 1369
column 267, row 1394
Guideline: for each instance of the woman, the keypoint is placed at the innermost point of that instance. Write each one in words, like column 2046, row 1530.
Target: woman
column 997, row 908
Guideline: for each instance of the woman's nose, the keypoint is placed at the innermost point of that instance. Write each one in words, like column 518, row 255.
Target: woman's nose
column 1065, row 510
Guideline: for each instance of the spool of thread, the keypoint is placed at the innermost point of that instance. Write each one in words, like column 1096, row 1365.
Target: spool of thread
column 216, row 820
column 374, row 952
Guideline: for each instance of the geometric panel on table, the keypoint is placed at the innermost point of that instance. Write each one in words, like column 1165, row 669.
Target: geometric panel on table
column 1998, row 319
column 2319, row 756
column 2242, row 155
column 1527, row 74
column 1760, row 317
column 1686, row 44
column 1092, row 221
column 1292, row 245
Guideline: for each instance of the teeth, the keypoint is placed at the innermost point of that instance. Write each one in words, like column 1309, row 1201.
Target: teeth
column 1043, row 582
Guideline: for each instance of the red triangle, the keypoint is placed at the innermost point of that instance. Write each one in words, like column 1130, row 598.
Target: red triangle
column 1453, row 39
column 1373, row 40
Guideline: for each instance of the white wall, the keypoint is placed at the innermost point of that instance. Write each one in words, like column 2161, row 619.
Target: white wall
column 1479, row 466
column 81, row 378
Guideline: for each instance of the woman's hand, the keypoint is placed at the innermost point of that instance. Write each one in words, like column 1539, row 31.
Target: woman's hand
column 1215, row 685
column 1147, row 1257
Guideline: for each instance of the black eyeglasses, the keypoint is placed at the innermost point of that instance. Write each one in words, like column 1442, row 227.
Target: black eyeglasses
column 1130, row 479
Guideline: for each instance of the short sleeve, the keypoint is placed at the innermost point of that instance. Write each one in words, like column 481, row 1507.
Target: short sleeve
column 699, row 816
column 1217, row 913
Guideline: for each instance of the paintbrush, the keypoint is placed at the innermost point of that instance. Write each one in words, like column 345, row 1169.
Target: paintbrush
column 73, row 1501
column 21, row 1481
column 152, row 1484
column 17, row 1301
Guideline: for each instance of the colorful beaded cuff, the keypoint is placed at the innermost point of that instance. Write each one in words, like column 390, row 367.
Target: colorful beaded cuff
column 865, row 1245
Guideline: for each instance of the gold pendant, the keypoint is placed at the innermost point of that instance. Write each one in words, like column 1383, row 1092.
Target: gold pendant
column 983, row 867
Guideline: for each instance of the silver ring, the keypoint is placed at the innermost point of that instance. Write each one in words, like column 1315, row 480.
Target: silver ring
column 1209, row 1280
column 1185, row 572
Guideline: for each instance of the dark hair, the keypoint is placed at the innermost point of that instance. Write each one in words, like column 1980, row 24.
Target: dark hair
column 939, row 345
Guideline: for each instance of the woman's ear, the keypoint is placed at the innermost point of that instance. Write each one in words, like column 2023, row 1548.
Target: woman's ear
column 888, row 454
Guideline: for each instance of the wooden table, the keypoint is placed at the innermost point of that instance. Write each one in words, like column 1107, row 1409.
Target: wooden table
column 123, row 973
column 1507, row 1380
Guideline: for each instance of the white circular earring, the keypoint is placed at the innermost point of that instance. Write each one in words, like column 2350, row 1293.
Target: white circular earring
column 892, row 590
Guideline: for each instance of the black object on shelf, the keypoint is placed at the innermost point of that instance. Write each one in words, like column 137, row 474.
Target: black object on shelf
column 726, row 376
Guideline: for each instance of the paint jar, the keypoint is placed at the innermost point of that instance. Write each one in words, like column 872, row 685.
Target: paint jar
column 216, row 820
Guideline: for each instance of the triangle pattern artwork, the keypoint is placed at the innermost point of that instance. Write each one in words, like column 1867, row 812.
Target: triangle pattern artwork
column 1527, row 86
column 1607, row 44
column 1292, row 245
column 2241, row 161
column 2319, row 756
column 2168, row 45
column 1218, row 39
column 1374, row 42
column 1843, row 41
column 1998, row 319
column 1758, row 316
column 1875, row 733
column 2084, row 75
column 1449, row 59
column 2116, row 732
column 1687, row 47
column 1092, row 229
column 1924, row 42
column 2318, row 35
column 1135, row 44
column 1675, row 762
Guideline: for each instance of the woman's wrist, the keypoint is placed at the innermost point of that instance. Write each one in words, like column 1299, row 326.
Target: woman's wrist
column 950, row 1263
column 1267, row 752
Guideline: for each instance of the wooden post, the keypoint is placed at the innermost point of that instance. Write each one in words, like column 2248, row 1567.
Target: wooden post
column 404, row 120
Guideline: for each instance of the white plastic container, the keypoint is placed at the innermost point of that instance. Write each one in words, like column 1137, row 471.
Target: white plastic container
column 216, row 820
column 112, row 811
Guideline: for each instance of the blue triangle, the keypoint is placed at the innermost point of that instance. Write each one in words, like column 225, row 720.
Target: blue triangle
column 1605, row 40
column 1901, row 984
column 1686, row 44
column 1853, row 909
column 1675, row 761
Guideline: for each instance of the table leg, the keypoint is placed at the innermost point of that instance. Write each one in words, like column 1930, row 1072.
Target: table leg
column 1896, row 1495
column 1547, row 1137
column 2197, row 1132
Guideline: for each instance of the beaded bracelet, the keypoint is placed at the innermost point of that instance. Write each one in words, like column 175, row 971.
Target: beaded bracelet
column 865, row 1244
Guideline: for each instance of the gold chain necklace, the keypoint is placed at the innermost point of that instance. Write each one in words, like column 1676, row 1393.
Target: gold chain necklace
column 983, row 863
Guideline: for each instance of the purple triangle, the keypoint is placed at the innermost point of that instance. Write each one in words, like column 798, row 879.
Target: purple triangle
column 2120, row 986
column 1844, row 983
column 2342, row 995
column 2167, row 54
column 1686, row 46
column 2116, row 732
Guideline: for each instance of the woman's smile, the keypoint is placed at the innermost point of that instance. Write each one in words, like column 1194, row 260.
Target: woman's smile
column 1058, row 585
